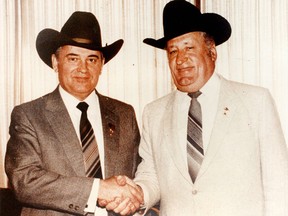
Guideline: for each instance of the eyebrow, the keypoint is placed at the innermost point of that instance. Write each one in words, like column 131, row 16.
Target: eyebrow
column 93, row 55
column 71, row 54
column 97, row 56
column 171, row 46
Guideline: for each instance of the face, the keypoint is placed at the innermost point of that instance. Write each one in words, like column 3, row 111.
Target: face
column 191, row 60
column 78, row 69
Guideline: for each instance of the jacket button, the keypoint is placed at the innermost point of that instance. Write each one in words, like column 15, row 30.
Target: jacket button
column 76, row 208
column 71, row 206
column 194, row 192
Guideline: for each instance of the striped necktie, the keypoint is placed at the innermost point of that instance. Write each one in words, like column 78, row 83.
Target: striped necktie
column 195, row 151
column 89, row 144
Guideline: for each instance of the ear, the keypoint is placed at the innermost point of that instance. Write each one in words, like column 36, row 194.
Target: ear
column 213, row 52
column 103, row 62
column 54, row 62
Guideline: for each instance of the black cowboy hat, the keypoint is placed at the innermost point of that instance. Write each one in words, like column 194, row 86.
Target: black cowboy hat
column 181, row 17
column 82, row 30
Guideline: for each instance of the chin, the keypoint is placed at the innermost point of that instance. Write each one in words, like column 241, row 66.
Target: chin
column 186, row 87
column 183, row 89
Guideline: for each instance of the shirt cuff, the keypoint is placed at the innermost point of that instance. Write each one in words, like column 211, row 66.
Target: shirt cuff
column 92, row 200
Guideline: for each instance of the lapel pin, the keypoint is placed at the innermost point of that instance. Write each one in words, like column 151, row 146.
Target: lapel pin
column 111, row 129
column 226, row 110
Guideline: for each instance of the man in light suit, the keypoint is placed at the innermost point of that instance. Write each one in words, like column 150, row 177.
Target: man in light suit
column 244, row 171
column 45, row 160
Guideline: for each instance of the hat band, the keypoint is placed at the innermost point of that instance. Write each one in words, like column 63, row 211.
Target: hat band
column 82, row 40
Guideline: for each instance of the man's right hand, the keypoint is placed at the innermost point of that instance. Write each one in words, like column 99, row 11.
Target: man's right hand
column 120, row 194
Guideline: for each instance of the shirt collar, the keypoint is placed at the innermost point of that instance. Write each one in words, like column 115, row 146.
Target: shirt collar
column 71, row 101
column 211, row 88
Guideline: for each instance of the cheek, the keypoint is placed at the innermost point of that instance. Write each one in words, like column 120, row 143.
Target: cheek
column 64, row 80
column 62, row 75
column 65, row 75
column 95, row 79
column 173, row 73
column 172, row 67
column 96, row 70
column 95, row 74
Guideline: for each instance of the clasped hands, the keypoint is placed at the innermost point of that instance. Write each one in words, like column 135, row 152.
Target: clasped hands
column 120, row 194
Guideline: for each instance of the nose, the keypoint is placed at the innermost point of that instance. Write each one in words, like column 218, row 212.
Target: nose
column 181, row 57
column 82, row 67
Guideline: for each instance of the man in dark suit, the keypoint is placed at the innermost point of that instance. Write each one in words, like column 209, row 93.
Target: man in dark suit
column 47, row 162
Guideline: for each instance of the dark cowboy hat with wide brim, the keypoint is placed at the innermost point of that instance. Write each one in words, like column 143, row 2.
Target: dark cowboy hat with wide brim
column 82, row 30
column 181, row 17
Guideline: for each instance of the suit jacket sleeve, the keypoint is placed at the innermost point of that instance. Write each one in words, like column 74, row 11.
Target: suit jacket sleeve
column 42, row 184
column 274, row 159
column 146, row 175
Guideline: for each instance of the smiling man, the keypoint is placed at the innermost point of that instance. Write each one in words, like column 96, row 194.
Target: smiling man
column 66, row 146
column 212, row 147
column 191, row 60
column 78, row 69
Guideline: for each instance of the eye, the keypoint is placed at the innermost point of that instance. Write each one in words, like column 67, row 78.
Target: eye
column 93, row 59
column 190, row 47
column 73, row 58
column 172, row 52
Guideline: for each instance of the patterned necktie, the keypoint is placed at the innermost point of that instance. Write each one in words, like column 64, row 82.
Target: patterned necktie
column 195, row 151
column 89, row 144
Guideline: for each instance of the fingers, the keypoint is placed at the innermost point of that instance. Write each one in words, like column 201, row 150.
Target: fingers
column 114, row 204
column 109, row 189
column 126, row 207
column 121, row 180
column 135, row 189
column 129, row 210
column 120, row 194
column 102, row 202
column 123, row 208
column 129, row 181
column 137, row 196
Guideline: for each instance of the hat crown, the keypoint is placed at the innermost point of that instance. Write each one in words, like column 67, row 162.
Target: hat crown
column 82, row 30
column 181, row 17
column 83, row 25
column 176, row 15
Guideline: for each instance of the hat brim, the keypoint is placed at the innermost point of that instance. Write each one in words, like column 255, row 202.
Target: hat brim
column 49, row 40
column 213, row 24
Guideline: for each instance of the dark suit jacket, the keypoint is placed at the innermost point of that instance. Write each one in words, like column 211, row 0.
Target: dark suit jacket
column 44, row 161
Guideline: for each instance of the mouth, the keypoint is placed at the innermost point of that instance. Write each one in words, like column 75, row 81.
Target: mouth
column 81, row 79
column 185, row 72
column 185, row 76
column 184, row 69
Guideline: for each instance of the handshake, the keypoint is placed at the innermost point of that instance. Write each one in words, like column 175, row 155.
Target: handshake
column 120, row 194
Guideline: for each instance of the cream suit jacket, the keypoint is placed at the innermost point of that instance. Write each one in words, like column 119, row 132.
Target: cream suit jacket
column 245, row 169
column 44, row 161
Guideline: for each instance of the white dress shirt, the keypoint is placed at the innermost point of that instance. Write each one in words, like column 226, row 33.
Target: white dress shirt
column 209, row 102
column 94, row 117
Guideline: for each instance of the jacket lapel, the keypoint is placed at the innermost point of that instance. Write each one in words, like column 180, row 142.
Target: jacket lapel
column 171, row 139
column 111, row 130
column 227, row 108
column 62, row 126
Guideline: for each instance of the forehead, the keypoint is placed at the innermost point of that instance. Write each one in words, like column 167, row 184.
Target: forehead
column 69, row 49
column 186, row 38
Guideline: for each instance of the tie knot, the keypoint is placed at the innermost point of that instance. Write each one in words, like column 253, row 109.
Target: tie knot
column 195, row 94
column 83, row 106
